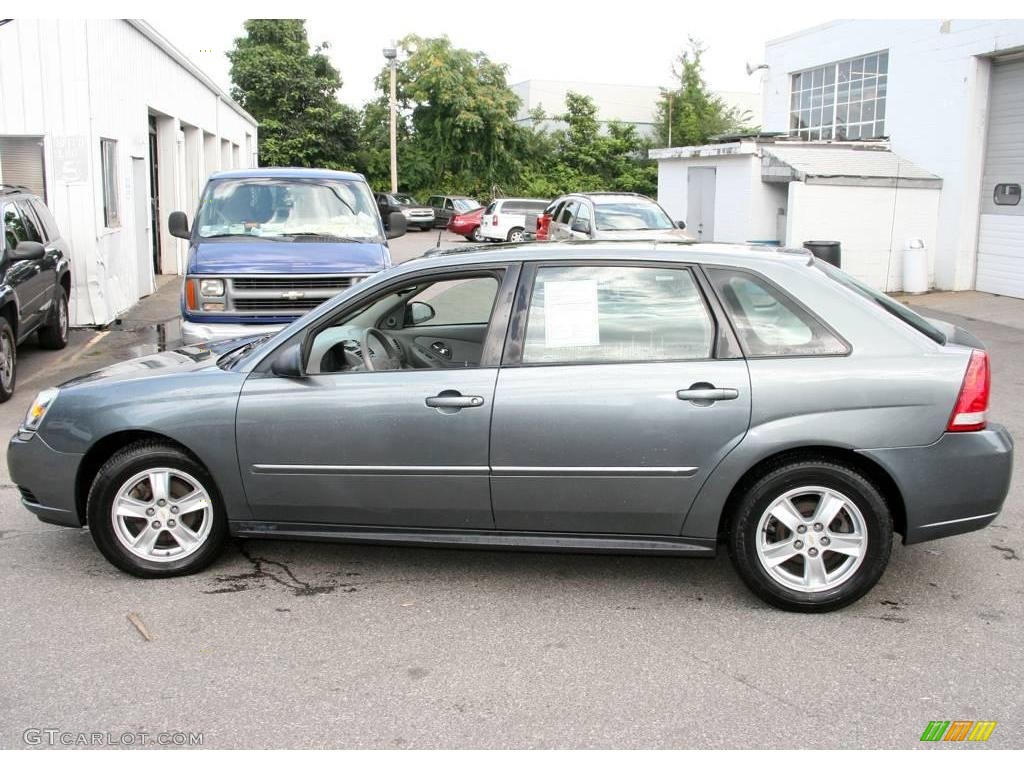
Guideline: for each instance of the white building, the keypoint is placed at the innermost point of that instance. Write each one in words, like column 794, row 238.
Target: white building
column 946, row 97
column 633, row 104
column 114, row 128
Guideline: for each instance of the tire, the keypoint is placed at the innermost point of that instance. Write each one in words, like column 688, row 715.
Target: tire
column 127, row 471
column 476, row 237
column 816, row 577
column 8, row 360
column 426, row 227
column 54, row 335
column 515, row 235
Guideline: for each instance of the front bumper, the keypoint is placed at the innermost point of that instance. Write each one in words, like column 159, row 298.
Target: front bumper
column 46, row 479
column 955, row 485
column 204, row 333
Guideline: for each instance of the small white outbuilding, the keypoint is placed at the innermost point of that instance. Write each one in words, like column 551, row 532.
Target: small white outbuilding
column 776, row 190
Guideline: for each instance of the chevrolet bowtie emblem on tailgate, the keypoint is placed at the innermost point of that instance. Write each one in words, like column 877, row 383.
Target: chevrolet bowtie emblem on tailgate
column 292, row 295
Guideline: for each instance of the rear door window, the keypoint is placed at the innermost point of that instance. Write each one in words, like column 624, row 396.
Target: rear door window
column 770, row 323
column 616, row 314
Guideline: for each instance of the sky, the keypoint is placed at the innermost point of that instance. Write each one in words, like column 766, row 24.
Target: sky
column 600, row 42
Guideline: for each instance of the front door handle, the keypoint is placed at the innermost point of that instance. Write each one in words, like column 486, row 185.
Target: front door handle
column 450, row 399
column 704, row 393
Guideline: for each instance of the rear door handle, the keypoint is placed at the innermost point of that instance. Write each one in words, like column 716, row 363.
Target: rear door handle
column 454, row 400
column 707, row 394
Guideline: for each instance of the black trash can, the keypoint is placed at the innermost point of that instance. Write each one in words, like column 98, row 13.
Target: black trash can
column 826, row 250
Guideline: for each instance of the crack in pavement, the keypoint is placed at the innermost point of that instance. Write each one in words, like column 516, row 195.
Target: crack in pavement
column 1009, row 553
column 264, row 570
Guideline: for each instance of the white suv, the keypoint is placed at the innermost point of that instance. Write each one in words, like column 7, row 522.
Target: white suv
column 505, row 219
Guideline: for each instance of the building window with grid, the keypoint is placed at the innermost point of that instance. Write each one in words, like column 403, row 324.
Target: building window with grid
column 843, row 100
column 111, row 209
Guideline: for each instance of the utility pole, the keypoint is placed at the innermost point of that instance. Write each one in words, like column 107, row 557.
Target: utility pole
column 391, row 54
column 670, row 118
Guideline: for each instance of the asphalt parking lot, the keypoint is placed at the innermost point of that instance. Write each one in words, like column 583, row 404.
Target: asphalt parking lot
column 301, row 645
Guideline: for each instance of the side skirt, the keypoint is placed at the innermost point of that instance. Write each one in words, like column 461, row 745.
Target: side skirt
column 456, row 537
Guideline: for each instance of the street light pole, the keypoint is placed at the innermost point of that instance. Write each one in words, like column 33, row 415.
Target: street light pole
column 391, row 54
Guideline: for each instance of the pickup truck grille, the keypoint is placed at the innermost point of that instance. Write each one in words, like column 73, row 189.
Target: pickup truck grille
column 277, row 306
column 284, row 294
column 332, row 282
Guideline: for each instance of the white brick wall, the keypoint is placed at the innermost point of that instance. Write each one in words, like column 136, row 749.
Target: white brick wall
column 872, row 223
column 935, row 113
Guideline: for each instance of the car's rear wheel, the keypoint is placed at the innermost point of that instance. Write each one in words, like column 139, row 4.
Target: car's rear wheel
column 154, row 511
column 811, row 536
column 54, row 335
column 8, row 360
column 516, row 235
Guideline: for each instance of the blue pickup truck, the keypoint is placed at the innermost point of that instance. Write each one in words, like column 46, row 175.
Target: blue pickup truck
column 269, row 244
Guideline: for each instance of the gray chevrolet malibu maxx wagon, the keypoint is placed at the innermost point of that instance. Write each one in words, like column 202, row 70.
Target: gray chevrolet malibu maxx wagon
column 600, row 397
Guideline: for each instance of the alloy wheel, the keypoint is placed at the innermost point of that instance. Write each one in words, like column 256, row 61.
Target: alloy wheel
column 811, row 539
column 162, row 514
column 6, row 360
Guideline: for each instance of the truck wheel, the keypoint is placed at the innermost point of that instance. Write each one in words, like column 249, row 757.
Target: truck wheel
column 8, row 360
column 54, row 335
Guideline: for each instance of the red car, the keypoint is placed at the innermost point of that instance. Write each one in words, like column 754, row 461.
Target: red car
column 467, row 224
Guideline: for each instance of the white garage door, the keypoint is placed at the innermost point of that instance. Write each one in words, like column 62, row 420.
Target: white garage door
column 1001, row 232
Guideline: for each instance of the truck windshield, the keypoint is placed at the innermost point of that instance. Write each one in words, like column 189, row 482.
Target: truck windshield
column 283, row 208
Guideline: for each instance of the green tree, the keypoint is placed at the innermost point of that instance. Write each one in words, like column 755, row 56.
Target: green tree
column 580, row 155
column 292, row 93
column 691, row 112
column 461, row 133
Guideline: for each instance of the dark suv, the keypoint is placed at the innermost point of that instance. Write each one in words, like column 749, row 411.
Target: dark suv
column 35, row 280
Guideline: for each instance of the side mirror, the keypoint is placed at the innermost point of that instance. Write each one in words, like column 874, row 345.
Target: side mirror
column 288, row 363
column 396, row 225
column 680, row 224
column 417, row 312
column 27, row 250
column 581, row 225
column 177, row 225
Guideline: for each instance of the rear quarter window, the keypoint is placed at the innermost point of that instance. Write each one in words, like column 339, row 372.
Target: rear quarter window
column 769, row 322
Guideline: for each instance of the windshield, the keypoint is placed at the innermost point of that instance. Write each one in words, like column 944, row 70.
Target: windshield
column 402, row 199
column 463, row 204
column 275, row 208
column 630, row 213
column 893, row 307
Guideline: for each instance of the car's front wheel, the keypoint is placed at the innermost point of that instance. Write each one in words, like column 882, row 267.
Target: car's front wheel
column 811, row 536
column 155, row 511
column 516, row 235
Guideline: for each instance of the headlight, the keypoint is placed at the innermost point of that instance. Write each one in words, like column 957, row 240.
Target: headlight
column 211, row 287
column 39, row 408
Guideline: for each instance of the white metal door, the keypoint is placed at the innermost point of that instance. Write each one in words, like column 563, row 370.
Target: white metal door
column 143, row 226
column 700, row 203
column 1001, row 229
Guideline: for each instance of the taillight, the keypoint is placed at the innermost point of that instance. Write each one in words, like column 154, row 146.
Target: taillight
column 971, row 411
column 190, row 294
column 542, row 226
column 494, row 220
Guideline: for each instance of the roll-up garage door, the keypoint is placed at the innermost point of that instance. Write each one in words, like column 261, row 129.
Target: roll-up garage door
column 21, row 163
column 1001, row 230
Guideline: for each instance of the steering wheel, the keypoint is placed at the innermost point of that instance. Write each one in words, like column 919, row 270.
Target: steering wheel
column 388, row 351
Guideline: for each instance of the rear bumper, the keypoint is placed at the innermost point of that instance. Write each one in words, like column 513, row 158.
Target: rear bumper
column 46, row 479
column 204, row 333
column 955, row 485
